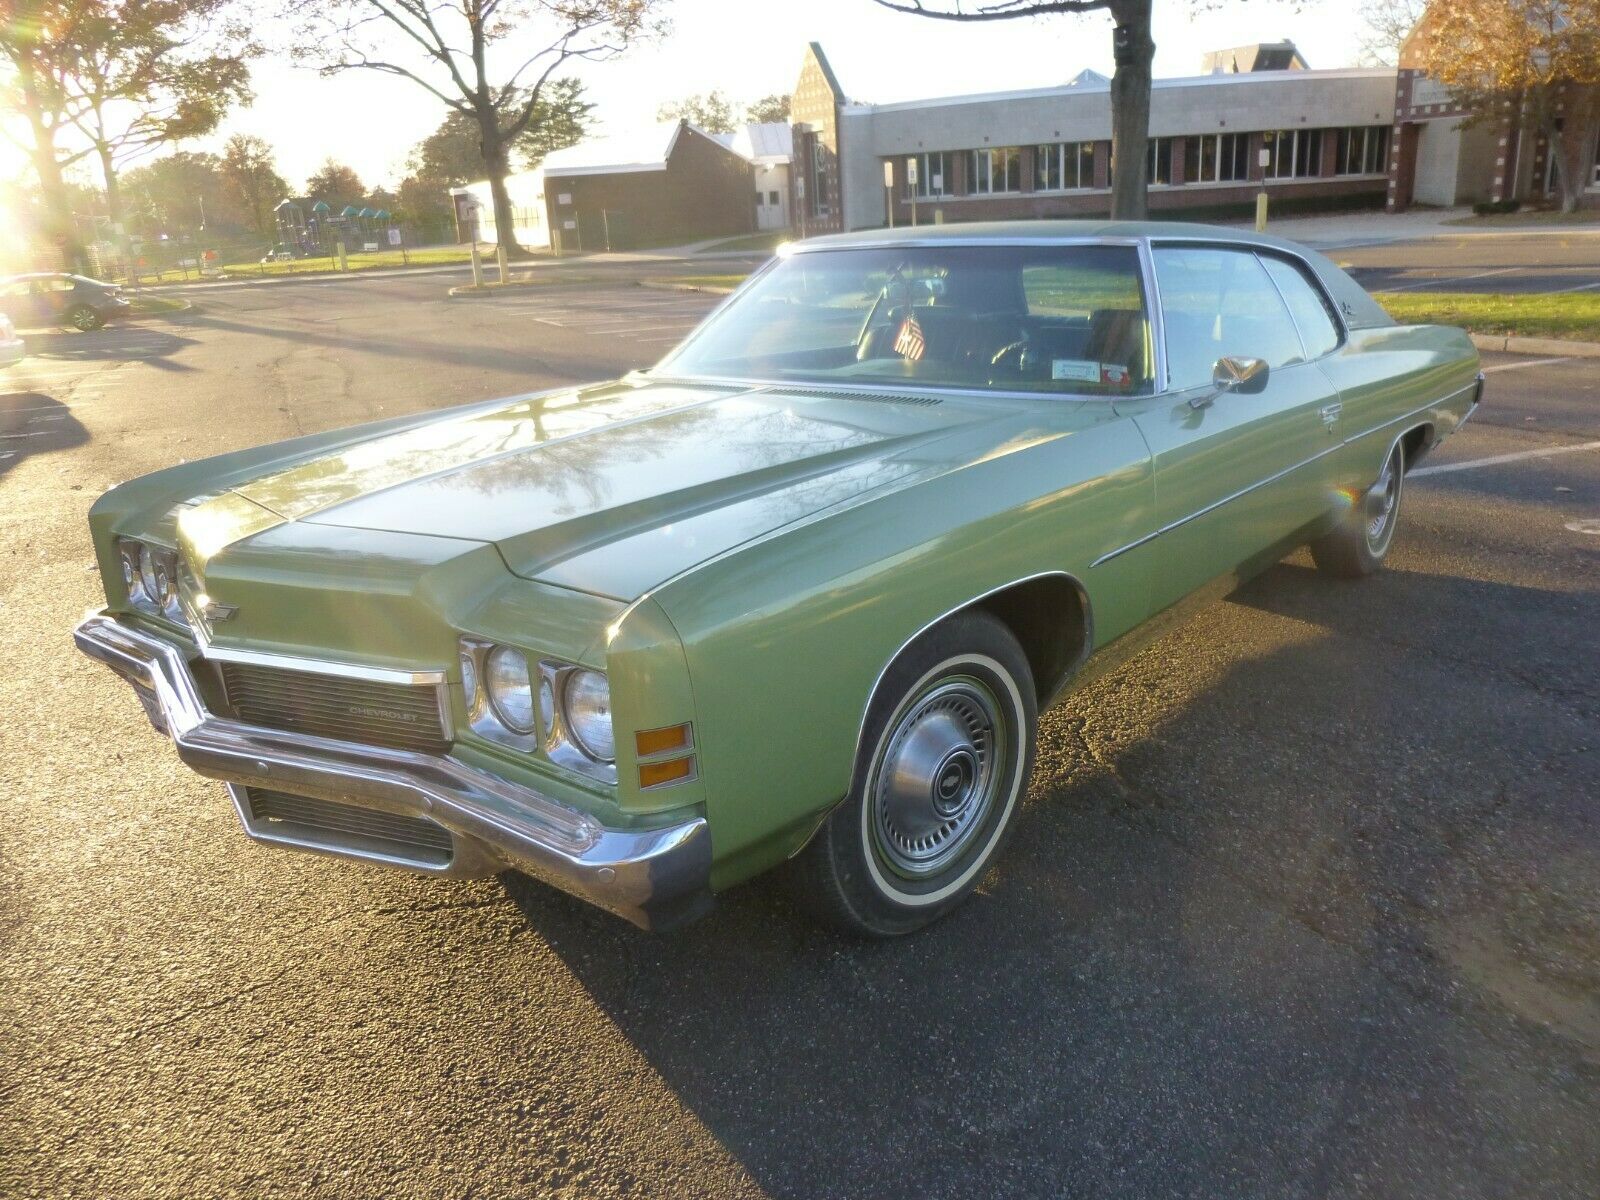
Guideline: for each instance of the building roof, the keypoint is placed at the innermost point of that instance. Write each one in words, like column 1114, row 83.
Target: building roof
column 1080, row 85
column 1258, row 56
column 644, row 149
column 768, row 143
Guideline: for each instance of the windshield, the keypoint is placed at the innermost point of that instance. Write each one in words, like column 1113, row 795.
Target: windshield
column 1054, row 319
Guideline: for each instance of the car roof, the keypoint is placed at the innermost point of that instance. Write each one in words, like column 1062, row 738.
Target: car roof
column 1023, row 232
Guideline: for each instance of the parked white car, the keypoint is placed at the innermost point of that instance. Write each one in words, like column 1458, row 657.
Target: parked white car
column 11, row 347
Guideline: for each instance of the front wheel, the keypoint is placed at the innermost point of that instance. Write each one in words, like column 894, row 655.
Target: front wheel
column 84, row 318
column 946, row 755
column 1359, row 545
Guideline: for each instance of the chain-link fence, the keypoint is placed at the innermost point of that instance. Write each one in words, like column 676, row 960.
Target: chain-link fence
column 181, row 255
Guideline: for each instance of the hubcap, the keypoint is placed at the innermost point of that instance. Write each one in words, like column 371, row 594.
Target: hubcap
column 938, row 776
column 1380, row 504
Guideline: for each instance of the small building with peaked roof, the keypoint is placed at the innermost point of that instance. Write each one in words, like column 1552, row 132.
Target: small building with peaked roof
column 652, row 186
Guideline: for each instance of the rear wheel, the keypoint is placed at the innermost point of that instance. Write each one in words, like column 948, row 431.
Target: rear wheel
column 946, row 757
column 85, row 318
column 1358, row 547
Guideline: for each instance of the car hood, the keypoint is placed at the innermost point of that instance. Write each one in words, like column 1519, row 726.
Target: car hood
column 613, row 489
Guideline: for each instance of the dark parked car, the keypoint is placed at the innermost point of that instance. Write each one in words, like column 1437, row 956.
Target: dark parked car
column 56, row 299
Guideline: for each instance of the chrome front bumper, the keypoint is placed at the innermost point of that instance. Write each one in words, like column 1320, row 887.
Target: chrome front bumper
column 652, row 877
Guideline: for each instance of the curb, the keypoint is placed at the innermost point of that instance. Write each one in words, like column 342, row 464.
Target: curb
column 1535, row 345
column 184, row 306
column 466, row 291
column 684, row 287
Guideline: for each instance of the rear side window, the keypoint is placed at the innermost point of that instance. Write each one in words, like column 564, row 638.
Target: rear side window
column 1220, row 303
column 1309, row 307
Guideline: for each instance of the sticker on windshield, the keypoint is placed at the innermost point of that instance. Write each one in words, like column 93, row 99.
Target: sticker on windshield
column 1075, row 368
column 1114, row 374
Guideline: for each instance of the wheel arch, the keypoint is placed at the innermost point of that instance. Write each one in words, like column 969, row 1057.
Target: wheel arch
column 1031, row 608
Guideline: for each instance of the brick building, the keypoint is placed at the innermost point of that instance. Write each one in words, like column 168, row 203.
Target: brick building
column 1439, row 157
column 1258, row 119
column 665, row 183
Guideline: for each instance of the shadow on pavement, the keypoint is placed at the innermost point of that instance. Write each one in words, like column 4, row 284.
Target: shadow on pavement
column 1277, row 946
column 115, row 343
column 32, row 423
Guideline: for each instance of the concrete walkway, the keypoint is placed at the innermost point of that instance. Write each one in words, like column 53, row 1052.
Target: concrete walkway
column 1347, row 230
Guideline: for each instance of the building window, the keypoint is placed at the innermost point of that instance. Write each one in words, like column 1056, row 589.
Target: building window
column 1217, row 158
column 1158, row 160
column 1363, row 150
column 996, row 170
column 1295, row 153
column 933, row 175
column 1062, row 166
column 772, row 199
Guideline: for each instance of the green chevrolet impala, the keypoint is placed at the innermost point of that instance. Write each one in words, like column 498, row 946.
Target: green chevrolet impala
column 794, row 596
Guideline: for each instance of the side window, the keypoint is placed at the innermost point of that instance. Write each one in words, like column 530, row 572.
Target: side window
column 1318, row 327
column 1220, row 303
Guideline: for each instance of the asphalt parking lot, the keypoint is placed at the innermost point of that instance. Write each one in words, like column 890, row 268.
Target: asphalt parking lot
column 1306, row 902
column 1512, row 260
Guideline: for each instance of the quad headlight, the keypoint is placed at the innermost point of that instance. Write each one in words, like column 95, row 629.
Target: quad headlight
column 510, row 687
column 150, row 574
column 586, row 711
column 540, row 705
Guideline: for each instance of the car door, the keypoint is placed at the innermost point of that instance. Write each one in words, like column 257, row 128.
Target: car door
column 1231, row 470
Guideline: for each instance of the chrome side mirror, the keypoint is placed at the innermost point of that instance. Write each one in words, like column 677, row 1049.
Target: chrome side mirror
column 1244, row 376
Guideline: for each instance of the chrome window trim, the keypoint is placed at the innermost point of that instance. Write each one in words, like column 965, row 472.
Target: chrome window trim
column 1259, row 248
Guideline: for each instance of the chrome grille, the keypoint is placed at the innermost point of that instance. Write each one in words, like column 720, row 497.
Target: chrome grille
column 347, row 826
column 398, row 715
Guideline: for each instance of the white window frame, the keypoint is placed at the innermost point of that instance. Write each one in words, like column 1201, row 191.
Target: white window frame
column 985, row 156
column 1153, row 149
column 1276, row 140
column 925, row 173
column 1368, row 145
column 1080, row 178
column 1191, row 165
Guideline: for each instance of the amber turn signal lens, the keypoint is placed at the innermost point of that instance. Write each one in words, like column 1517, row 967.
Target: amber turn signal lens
column 661, row 741
column 658, row 773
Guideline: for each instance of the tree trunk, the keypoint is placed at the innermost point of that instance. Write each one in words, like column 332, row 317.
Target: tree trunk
column 108, row 170
column 57, row 209
column 1567, row 145
column 1130, row 109
column 496, row 162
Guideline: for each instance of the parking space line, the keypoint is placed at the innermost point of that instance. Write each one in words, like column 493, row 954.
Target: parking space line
column 1497, row 459
column 1582, row 287
column 1518, row 366
column 1449, row 279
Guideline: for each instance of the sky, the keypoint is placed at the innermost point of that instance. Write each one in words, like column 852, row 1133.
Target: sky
column 751, row 48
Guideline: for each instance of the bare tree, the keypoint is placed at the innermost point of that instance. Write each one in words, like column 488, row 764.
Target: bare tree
column 488, row 60
column 1387, row 24
column 1133, row 49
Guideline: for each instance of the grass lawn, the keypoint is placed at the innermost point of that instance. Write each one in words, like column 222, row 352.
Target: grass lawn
column 1574, row 315
column 427, row 256
column 755, row 241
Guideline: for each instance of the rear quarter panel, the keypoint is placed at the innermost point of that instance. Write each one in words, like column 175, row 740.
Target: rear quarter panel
column 786, row 638
column 1392, row 379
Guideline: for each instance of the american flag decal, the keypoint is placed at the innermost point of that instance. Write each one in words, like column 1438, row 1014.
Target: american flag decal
column 908, row 343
